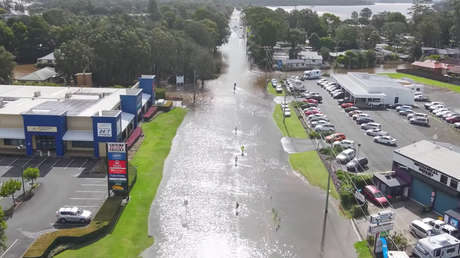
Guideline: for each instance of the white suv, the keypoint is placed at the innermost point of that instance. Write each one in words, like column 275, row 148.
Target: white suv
column 73, row 214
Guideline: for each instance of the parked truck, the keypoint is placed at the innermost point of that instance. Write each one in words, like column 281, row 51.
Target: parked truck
column 312, row 74
column 438, row 246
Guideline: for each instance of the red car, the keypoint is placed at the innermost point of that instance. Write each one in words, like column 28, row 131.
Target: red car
column 313, row 101
column 453, row 119
column 346, row 105
column 335, row 137
column 311, row 112
column 374, row 195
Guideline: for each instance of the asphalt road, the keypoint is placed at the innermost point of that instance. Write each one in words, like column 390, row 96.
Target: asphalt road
column 195, row 212
column 63, row 182
column 380, row 156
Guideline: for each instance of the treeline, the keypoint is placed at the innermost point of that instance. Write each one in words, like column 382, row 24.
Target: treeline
column 170, row 39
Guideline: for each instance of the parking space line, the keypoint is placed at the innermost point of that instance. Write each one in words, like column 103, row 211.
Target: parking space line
column 93, row 185
column 89, row 191
column 6, row 251
column 41, row 163
column 85, row 206
column 24, row 164
column 84, row 198
column 84, row 163
column 54, row 164
column 68, row 164
column 13, row 162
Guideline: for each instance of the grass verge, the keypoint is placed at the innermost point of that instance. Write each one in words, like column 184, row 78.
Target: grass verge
column 272, row 90
column 291, row 127
column 312, row 168
column 426, row 81
column 362, row 250
column 130, row 236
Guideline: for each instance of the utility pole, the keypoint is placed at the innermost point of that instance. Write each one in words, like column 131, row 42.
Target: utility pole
column 194, row 86
column 325, row 213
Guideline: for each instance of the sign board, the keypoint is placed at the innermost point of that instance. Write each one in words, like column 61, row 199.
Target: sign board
column 179, row 79
column 360, row 197
column 381, row 217
column 104, row 129
column 117, row 166
column 42, row 129
column 377, row 228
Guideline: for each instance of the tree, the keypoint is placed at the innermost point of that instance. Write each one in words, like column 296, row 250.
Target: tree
column 30, row 174
column 324, row 51
column 3, row 227
column 6, row 37
column 10, row 187
column 153, row 10
column 295, row 37
column 365, row 13
column 315, row 42
column 6, row 66
column 327, row 42
column 354, row 16
column 73, row 57
column 346, row 37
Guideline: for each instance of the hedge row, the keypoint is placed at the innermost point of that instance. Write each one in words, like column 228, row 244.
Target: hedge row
column 101, row 224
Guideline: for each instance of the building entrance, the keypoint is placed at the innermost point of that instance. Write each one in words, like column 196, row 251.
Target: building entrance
column 45, row 142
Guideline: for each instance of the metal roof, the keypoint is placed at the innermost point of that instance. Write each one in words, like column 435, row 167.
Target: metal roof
column 390, row 179
column 145, row 98
column 78, row 135
column 126, row 118
column 50, row 57
column 434, row 155
column 364, row 85
column 40, row 75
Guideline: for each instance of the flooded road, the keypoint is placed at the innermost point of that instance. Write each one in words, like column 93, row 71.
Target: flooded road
column 214, row 202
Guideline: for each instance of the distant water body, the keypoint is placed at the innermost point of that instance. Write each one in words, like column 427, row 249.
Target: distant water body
column 344, row 11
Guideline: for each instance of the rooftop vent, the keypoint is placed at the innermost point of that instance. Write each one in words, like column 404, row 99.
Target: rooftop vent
column 68, row 95
column 37, row 94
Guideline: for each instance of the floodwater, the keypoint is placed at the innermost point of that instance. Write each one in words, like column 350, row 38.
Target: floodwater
column 214, row 202
column 344, row 11
column 21, row 70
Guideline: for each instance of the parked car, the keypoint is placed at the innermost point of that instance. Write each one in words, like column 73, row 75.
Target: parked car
column 315, row 116
column 386, row 139
column 409, row 116
column 324, row 128
column 311, row 108
column 354, row 112
column 363, row 120
column 274, row 83
column 374, row 195
column 453, row 119
column 73, row 214
column 306, row 105
column 432, row 108
column 419, row 121
column 320, row 81
column 457, row 125
column 311, row 112
column 451, row 230
column 344, row 144
column 441, row 113
column 279, row 89
column 357, row 164
column 427, row 105
column 287, row 112
column 347, row 105
column 314, row 101
column 360, row 115
column 346, row 156
column 448, row 114
column 420, row 229
column 350, row 109
column 435, row 223
column 313, row 124
column 338, row 95
column 316, row 97
column 403, row 107
column 335, row 137
column 376, row 132
column 372, row 125
column 439, row 110
column 420, row 98
column 405, row 112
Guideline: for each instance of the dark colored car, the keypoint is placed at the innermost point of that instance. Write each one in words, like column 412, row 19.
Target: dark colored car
column 357, row 164
column 347, row 105
column 363, row 120
column 316, row 97
column 314, row 101
column 338, row 95
column 453, row 119
column 349, row 109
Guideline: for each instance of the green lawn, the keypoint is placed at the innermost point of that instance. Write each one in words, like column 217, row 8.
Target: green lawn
column 129, row 237
column 291, row 127
column 272, row 90
column 426, row 81
column 362, row 249
column 311, row 167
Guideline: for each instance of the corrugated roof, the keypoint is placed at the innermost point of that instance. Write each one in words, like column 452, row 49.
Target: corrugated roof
column 434, row 155
column 50, row 57
column 126, row 118
column 40, row 75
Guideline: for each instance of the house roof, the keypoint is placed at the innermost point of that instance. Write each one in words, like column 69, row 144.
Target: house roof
column 40, row 75
column 430, row 64
column 49, row 57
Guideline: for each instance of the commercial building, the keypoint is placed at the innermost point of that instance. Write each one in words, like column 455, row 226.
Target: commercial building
column 59, row 120
column 433, row 173
column 370, row 90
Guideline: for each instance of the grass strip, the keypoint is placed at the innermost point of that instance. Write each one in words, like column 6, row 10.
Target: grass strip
column 450, row 86
column 130, row 236
column 312, row 168
column 291, row 126
column 362, row 250
column 272, row 90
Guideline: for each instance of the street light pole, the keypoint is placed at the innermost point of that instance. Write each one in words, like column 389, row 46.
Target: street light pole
column 325, row 213
column 23, row 187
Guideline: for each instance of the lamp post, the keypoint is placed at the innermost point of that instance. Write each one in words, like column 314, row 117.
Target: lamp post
column 20, row 147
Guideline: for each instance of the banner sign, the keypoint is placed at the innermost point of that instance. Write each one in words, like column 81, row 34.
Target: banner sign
column 104, row 129
column 117, row 166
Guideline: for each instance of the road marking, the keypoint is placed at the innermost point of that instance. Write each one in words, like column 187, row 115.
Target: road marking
column 83, row 165
column 24, row 165
column 68, row 164
column 13, row 162
column 93, row 184
column 77, row 198
column 41, row 163
column 85, row 206
column 15, row 241
column 90, row 191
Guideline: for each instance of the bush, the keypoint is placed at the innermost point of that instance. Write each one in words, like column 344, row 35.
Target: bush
column 398, row 242
column 347, row 200
column 314, row 135
column 160, row 93
column 358, row 211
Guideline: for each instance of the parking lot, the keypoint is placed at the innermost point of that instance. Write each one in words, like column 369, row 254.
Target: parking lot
column 380, row 156
column 64, row 182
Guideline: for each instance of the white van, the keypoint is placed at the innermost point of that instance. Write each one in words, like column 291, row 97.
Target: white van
column 451, row 230
column 442, row 246
column 435, row 223
column 420, row 229
column 312, row 74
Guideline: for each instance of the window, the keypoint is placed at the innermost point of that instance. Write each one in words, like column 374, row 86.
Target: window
column 13, row 142
column 78, row 144
column 450, row 250
column 453, row 183
column 444, row 179
column 437, row 252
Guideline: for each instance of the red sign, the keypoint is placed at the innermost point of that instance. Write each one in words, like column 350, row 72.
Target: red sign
column 117, row 170
column 117, row 164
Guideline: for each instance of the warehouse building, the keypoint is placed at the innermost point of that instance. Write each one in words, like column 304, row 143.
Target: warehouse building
column 59, row 120
column 432, row 171
column 371, row 90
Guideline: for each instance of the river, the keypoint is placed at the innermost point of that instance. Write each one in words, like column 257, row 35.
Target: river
column 195, row 212
column 344, row 11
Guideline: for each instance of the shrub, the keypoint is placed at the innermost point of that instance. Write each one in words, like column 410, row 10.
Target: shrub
column 160, row 93
column 314, row 135
column 398, row 242
column 346, row 198
column 358, row 211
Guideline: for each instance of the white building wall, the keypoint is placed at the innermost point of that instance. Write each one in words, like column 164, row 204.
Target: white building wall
column 406, row 97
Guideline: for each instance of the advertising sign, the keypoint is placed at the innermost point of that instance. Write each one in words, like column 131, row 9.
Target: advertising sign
column 383, row 216
column 104, row 129
column 42, row 129
column 117, row 166
column 377, row 228
column 180, row 79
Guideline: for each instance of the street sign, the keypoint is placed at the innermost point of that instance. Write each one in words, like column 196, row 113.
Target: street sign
column 381, row 217
column 377, row 228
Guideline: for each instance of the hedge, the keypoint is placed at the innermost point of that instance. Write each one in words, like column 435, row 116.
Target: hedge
column 102, row 223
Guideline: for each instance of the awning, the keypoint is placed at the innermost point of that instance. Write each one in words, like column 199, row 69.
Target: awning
column 126, row 118
column 145, row 98
column 12, row 133
column 133, row 137
column 150, row 112
column 78, row 136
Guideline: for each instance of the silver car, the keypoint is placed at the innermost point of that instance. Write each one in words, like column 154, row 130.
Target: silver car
column 73, row 214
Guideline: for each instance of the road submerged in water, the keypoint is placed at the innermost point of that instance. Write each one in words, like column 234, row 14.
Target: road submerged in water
column 214, row 202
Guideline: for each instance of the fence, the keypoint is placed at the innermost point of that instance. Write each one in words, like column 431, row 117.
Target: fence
column 430, row 75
